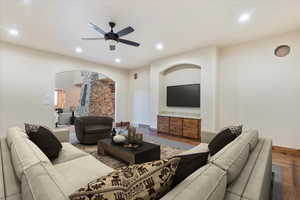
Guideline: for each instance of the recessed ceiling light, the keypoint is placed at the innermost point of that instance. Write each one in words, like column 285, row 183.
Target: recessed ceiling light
column 117, row 60
column 13, row 32
column 244, row 17
column 78, row 50
column 159, row 46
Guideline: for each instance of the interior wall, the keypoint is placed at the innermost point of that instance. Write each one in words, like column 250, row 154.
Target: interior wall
column 262, row 91
column 28, row 82
column 139, row 96
column 66, row 81
column 179, row 75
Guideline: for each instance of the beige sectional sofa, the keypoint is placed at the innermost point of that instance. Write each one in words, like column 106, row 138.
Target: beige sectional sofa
column 242, row 170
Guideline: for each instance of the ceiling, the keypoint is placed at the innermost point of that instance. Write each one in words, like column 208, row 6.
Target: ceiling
column 58, row 25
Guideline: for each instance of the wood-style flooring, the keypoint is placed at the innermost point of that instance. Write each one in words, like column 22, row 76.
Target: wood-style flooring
column 289, row 163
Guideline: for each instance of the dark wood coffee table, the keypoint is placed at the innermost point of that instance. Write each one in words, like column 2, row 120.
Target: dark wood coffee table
column 145, row 153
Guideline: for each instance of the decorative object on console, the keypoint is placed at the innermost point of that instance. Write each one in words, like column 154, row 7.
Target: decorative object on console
column 119, row 139
column 221, row 140
column 113, row 134
column 151, row 181
column 188, row 164
column 45, row 139
column 72, row 118
column 133, row 137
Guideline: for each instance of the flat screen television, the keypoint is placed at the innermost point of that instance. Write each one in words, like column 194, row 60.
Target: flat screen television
column 183, row 95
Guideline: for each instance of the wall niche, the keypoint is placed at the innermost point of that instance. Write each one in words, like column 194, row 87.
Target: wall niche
column 183, row 74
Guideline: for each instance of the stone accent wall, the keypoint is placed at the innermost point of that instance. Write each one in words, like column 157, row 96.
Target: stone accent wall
column 100, row 96
column 102, row 99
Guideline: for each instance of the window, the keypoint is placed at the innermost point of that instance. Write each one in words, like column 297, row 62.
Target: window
column 55, row 98
column 59, row 98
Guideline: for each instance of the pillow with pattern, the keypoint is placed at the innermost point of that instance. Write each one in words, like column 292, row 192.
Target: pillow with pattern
column 236, row 130
column 29, row 128
column 145, row 181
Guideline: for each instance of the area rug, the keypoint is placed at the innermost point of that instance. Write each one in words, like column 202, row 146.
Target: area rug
column 166, row 152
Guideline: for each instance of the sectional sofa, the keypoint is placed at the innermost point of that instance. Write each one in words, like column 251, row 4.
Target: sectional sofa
column 241, row 170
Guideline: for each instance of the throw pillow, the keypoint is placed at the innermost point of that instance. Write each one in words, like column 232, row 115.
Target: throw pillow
column 188, row 164
column 45, row 140
column 145, row 181
column 221, row 140
column 31, row 128
column 237, row 130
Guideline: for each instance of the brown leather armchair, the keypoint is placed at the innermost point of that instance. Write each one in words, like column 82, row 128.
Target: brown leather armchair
column 90, row 129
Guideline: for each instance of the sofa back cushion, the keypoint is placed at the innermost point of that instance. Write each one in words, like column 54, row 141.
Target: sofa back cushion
column 25, row 154
column 11, row 183
column 207, row 183
column 13, row 133
column 250, row 136
column 232, row 158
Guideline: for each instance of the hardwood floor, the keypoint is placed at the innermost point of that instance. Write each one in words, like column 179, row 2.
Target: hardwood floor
column 289, row 163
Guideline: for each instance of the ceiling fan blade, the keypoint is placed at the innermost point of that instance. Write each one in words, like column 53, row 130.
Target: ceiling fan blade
column 92, row 38
column 97, row 28
column 125, row 31
column 129, row 42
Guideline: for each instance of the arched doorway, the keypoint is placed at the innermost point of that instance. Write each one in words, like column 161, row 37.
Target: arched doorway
column 83, row 93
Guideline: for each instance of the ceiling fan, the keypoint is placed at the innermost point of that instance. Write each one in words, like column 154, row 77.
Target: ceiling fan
column 113, row 38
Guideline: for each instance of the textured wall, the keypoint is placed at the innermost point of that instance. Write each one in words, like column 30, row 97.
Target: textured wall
column 102, row 98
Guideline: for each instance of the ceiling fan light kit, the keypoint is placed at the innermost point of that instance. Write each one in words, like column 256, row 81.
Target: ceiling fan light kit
column 113, row 38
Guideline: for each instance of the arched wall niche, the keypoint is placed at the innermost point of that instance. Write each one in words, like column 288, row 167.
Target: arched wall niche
column 178, row 74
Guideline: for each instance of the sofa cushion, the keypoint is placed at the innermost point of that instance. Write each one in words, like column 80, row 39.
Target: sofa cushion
column 12, row 184
column 220, row 141
column 14, row 132
column 188, row 164
column 94, row 129
column 259, row 183
column 231, row 196
column 251, row 136
column 149, row 180
column 67, row 153
column 239, row 185
column 80, row 171
column 207, row 183
column 24, row 154
column 232, row 158
column 42, row 181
